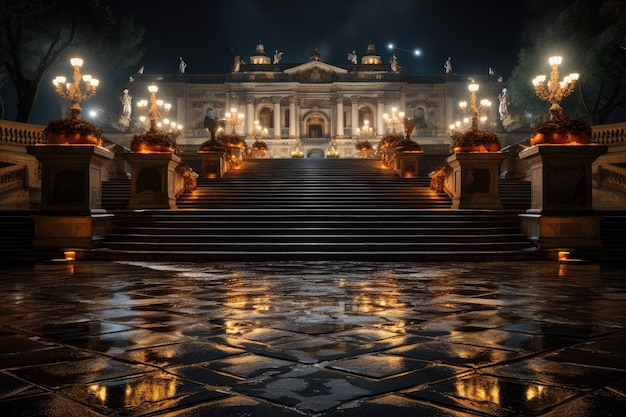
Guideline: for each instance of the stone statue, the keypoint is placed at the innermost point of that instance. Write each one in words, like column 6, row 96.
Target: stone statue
column 277, row 56
column 492, row 71
column 182, row 66
column 394, row 63
column 127, row 108
column 237, row 64
column 140, row 70
column 352, row 57
column 316, row 56
column 505, row 100
column 448, row 65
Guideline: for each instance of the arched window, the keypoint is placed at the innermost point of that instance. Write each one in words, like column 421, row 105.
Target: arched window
column 266, row 117
column 365, row 113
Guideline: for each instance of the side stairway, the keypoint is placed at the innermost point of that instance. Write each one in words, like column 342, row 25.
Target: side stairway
column 315, row 209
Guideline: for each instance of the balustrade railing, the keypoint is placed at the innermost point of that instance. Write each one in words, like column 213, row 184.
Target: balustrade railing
column 21, row 133
column 610, row 134
column 12, row 177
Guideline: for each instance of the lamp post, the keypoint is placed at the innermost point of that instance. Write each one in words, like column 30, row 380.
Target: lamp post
column 365, row 132
column 76, row 91
column 233, row 119
column 476, row 111
column 556, row 90
column 395, row 119
column 155, row 109
column 259, row 131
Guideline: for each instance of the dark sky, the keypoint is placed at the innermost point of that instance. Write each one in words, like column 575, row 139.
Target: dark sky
column 476, row 34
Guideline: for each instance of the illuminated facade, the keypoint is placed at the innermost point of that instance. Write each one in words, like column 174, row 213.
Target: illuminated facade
column 316, row 102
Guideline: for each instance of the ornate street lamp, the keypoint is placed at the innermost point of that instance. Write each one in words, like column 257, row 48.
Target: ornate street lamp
column 76, row 91
column 153, row 110
column 259, row 131
column 154, row 139
column 395, row 119
column 366, row 131
column 476, row 111
column 556, row 90
column 233, row 119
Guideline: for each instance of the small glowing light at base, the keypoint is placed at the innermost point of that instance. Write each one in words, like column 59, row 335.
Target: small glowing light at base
column 563, row 256
column 70, row 256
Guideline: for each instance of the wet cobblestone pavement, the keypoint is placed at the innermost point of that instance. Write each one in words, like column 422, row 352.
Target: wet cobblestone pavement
column 313, row 339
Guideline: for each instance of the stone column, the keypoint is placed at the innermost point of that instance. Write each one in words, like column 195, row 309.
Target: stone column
column 339, row 125
column 292, row 117
column 355, row 116
column 250, row 117
column 276, row 101
column 380, row 121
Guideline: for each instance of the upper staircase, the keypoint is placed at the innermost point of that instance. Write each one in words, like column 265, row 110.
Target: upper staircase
column 315, row 209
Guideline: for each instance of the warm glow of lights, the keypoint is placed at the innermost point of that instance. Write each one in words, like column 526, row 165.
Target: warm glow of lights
column 563, row 255
column 153, row 88
column 554, row 90
column 555, row 60
column 70, row 255
column 75, row 91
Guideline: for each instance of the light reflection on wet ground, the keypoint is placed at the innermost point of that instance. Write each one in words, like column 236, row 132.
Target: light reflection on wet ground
column 316, row 339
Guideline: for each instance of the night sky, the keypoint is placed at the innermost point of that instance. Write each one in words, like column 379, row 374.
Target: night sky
column 477, row 35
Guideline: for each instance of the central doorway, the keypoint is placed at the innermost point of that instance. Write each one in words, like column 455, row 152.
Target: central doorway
column 315, row 127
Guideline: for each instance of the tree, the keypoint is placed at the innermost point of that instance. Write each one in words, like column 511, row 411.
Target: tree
column 592, row 41
column 34, row 36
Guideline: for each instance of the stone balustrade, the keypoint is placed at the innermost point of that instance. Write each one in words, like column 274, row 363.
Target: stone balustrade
column 21, row 133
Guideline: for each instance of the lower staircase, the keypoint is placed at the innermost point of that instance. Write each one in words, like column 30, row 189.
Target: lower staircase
column 316, row 209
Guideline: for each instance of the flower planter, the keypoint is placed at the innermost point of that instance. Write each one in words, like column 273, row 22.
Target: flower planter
column 560, row 138
column 493, row 147
column 71, row 138
column 150, row 148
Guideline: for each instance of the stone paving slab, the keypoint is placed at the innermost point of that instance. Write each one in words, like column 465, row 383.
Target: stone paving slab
column 318, row 339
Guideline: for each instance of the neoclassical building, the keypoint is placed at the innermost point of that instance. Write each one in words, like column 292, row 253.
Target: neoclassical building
column 317, row 102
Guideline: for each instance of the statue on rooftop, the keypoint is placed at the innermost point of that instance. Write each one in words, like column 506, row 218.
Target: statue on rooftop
column 182, row 66
column 394, row 63
column 352, row 57
column 277, row 56
column 237, row 64
column 316, row 56
column 448, row 65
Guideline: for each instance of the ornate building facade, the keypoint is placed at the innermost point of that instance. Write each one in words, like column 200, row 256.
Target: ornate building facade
column 314, row 103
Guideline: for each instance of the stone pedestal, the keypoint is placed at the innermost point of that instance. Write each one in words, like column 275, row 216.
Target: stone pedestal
column 475, row 180
column 71, row 232
column 213, row 164
column 71, row 196
column 152, row 180
column 561, row 214
column 407, row 163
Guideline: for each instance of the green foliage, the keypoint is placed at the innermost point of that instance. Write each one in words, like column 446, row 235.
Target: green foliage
column 591, row 40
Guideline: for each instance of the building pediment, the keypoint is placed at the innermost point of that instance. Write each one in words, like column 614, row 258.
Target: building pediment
column 315, row 72
column 322, row 66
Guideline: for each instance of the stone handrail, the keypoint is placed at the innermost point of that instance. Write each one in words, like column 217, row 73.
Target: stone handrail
column 21, row 133
column 12, row 177
column 610, row 134
column 613, row 176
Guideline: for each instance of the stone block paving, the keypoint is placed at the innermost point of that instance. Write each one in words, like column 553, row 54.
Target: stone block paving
column 313, row 339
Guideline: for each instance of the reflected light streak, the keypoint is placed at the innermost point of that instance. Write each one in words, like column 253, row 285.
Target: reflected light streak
column 477, row 389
